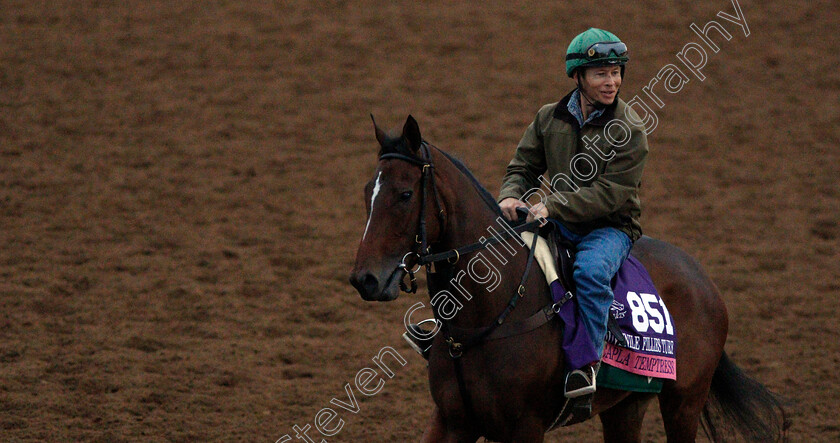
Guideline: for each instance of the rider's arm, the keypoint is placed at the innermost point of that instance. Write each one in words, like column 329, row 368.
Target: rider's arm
column 617, row 184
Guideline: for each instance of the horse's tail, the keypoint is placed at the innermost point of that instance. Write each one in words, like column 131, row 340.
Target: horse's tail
column 743, row 404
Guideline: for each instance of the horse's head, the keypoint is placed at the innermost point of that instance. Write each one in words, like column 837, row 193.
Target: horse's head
column 395, row 199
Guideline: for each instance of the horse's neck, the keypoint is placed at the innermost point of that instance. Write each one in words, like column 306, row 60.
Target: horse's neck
column 484, row 281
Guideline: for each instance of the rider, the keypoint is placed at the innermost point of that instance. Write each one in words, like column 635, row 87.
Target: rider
column 592, row 148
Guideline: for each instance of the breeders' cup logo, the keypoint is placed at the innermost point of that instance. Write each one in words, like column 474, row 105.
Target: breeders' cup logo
column 617, row 309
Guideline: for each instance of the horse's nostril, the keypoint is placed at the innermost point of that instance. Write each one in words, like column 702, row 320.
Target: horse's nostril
column 365, row 283
column 370, row 284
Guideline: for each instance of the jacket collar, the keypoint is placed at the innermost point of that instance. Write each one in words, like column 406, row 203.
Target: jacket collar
column 561, row 112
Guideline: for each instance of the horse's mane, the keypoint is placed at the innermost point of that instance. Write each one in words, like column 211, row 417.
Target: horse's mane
column 482, row 191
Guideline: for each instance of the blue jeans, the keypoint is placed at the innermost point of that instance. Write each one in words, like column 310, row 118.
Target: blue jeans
column 599, row 255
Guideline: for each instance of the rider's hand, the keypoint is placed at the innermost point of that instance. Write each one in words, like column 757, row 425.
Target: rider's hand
column 509, row 206
column 538, row 211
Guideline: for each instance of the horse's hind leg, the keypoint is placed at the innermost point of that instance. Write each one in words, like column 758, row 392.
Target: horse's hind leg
column 681, row 411
column 623, row 422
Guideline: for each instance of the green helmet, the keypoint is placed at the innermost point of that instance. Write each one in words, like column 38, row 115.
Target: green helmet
column 595, row 47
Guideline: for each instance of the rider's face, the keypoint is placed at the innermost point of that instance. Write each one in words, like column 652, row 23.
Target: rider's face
column 601, row 84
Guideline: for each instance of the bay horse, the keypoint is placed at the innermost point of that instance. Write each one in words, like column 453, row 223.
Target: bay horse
column 423, row 202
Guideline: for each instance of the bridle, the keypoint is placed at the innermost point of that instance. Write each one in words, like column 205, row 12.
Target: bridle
column 423, row 255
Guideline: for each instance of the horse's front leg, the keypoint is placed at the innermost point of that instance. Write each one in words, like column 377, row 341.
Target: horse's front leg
column 437, row 432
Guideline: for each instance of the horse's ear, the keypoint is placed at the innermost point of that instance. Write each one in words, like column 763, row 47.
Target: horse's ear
column 411, row 133
column 380, row 134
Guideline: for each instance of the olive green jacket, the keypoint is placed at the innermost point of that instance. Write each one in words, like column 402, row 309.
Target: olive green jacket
column 583, row 199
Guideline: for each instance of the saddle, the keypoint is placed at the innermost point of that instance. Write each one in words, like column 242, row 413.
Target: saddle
column 562, row 250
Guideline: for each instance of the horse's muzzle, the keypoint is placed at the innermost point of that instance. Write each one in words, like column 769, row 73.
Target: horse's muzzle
column 372, row 288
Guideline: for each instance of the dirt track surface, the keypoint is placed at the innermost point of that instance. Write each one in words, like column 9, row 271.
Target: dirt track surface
column 181, row 198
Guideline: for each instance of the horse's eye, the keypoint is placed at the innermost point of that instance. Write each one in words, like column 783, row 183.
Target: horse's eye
column 405, row 196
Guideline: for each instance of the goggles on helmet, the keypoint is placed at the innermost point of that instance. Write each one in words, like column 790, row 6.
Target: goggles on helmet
column 600, row 50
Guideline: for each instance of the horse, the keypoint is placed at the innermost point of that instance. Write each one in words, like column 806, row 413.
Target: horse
column 421, row 203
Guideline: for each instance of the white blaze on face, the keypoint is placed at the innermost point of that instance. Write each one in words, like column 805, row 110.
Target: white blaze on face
column 376, row 187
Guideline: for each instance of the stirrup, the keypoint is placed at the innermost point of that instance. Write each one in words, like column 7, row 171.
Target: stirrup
column 581, row 382
column 418, row 338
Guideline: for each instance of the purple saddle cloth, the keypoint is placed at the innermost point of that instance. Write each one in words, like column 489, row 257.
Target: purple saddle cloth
column 645, row 323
